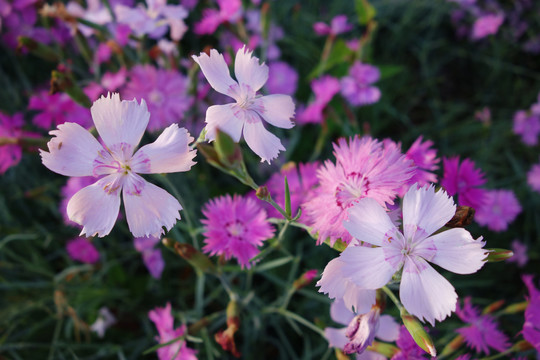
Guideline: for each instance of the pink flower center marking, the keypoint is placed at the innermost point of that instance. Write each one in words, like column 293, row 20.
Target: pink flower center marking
column 350, row 191
column 235, row 229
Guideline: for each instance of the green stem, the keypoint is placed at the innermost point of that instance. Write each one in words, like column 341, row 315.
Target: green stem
column 298, row 319
column 393, row 297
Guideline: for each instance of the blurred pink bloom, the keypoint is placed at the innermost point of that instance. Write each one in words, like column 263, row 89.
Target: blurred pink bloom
column 11, row 131
column 154, row 20
column 73, row 151
column 302, row 180
column 152, row 258
column 425, row 159
column 356, row 87
column 500, row 208
column 364, row 168
column 483, row 115
column 338, row 25
column 57, row 109
column 409, row 350
column 464, row 180
column 324, row 89
column 165, row 91
column 95, row 12
column 520, row 251
column 423, row 291
column 527, row 125
column 531, row 327
column 482, row 331
column 486, row 25
column 282, row 79
column 235, row 227
column 114, row 81
column 81, row 249
column 104, row 320
column 247, row 114
column 229, row 11
column 164, row 322
column 533, row 177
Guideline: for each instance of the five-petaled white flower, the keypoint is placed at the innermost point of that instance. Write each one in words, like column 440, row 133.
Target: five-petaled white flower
column 423, row 291
column 121, row 124
column 250, row 109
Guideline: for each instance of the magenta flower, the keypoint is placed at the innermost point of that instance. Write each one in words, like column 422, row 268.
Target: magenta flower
column 324, row 89
column 425, row 159
column 235, row 227
column 533, row 177
column 302, row 179
column 364, row 168
column 500, row 208
column 531, row 327
column 423, row 292
column 95, row 12
column 520, row 251
column 81, row 249
column 247, row 114
column 152, row 258
column 282, row 79
column 486, row 25
column 409, row 350
column 527, row 125
column 229, row 11
column 73, row 151
column 166, row 93
column 482, row 331
column 164, row 322
column 356, row 87
column 57, row 109
column 464, row 180
column 11, row 132
column 338, row 25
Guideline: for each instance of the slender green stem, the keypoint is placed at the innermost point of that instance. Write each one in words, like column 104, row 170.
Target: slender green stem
column 298, row 319
column 393, row 297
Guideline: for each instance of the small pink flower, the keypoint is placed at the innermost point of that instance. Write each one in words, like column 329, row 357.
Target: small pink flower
column 533, row 177
column 11, row 130
column 531, row 327
column 152, row 257
column 520, row 251
column 104, row 320
column 164, row 322
column 356, row 87
column 73, row 151
column 425, row 159
column 324, row 89
column 338, row 25
column 57, row 109
column 247, row 114
column 235, row 227
column 364, row 167
column 486, row 25
column 482, row 331
column 464, row 180
column 527, row 125
column 81, row 249
column 282, row 79
column 229, row 11
column 500, row 208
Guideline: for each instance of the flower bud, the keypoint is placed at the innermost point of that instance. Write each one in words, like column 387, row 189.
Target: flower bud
column 418, row 333
column 361, row 331
column 194, row 257
column 464, row 216
column 226, row 338
column 496, row 255
column 305, row 279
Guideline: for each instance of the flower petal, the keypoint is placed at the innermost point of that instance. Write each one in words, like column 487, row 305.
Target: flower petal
column 248, row 71
column 120, row 121
column 426, row 209
column 367, row 267
column 388, row 329
column 216, row 71
column 336, row 337
column 341, row 313
column 425, row 293
column 148, row 207
column 72, row 151
column 261, row 141
column 96, row 207
column 226, row 118
column 169, row 153
column 457, row 251
column 278, row 110
column 368, row 222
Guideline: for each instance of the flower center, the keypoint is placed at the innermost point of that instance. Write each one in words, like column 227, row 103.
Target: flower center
column 235, row 229
column 354, row 188
column 156, row 97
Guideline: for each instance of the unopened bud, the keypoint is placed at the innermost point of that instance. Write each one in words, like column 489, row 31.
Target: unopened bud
column 464, row 216
column 496, row 255
column 493, row 307
column 38, row 49
column 194, row 257
column 453, row 345
column 388, row 350
column 516, row 308
column 226, row 338
column 305, row 279
column 522, row 345
column 361, row 331
column 228, row 151
column 62, row 82
column 419, row 334
column 263, row 193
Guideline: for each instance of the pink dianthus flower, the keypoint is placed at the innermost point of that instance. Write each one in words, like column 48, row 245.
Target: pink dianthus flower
column 165, row 91
column 282, row 79
column 324, row 89
column 152, row 257
column 235, row 227
column 82, row 250
column 486, row 25
column 531, row 327
column 364, row 167
column 527, row 125
column 464, row 180
column 338, row 25
column 425, row 159
column 247, row 114
column 73, row 151
column 57, row 109
column 482, row 331
column 356, row 87
column 229, row 11
column 533, row 177
column 500, row 208
column 11, row 131
column 164, row 322
column 520, row 251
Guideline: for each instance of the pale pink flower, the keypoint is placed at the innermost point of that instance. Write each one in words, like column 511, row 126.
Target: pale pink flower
column 164, row 322
column 464, row 180
column 486, row 25
column 94, row 12
column 81, row 249
column 500, row 208
column 527, row 125
column 520, row 251
column 235, row 227
column 165, row 92
column 324, row 89
column 338, row 25
column 357, row 88
column 247, row 114
column 57, row 109
column 11, row 131
column 482, row 331
column 73, row 151
column 423, row 292
column 229, row 11
column 152, row 258
column 533, row 177
column 155, row 19
column 364, row 167
column 104, row 320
